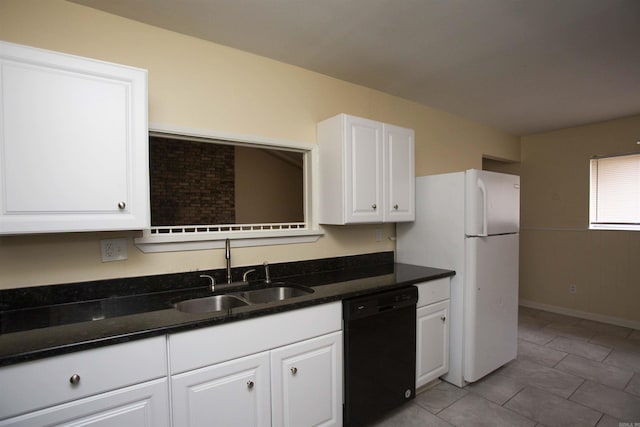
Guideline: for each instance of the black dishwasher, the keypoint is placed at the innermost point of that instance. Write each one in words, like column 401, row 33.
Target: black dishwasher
column 379, row 354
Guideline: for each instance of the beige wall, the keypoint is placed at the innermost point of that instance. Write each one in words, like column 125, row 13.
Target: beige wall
column 557, row 249
column 193, row 83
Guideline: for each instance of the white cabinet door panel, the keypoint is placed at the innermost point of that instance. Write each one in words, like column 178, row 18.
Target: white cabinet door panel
column 432, row 342
column 59, row 115
column 73, row 143
column 144, row 405
column 307, row 382
column 364, row 160
column 234, row 393
column 399, row 175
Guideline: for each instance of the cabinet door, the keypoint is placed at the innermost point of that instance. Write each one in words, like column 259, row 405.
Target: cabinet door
column 363, row 157
column 307, row 382
column 234, row 393
column 145, row 405
column 432, row 342
column 399, row 175
column 73, row 143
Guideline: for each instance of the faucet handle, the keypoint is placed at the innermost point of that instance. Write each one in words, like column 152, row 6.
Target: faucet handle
column 213, row 281
column 267, row 277
column 246, row 273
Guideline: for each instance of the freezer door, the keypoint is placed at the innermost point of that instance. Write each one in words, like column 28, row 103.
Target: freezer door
column 490, row 304
column 492, row 203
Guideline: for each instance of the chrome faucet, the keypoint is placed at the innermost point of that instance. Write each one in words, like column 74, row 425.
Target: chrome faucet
column 227, row 255
column 212, row 281
column 245, row 276
column 267, row 277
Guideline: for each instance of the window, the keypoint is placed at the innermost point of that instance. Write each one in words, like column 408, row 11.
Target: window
column 264, row 188
column 203, row 183
column 615, row 192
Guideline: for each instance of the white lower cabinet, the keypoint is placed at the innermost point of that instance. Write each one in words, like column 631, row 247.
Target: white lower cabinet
column 306, row 382
column 432, row 342
column 283, row 369
column 144, row 405
column 432, row 331
column 118, row 385
column 233, row 393
column 296, row 385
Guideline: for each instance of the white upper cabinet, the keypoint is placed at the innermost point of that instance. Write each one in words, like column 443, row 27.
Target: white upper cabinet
column 73, row 143
column 366, row 171
column 350, row 170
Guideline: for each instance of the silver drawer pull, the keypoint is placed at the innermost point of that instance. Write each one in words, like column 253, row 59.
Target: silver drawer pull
column 249, row 385
column 443, row 318
column 122, row 205
column 294, row 370
column 395, row 207
column 374, row 206
column 75, row 379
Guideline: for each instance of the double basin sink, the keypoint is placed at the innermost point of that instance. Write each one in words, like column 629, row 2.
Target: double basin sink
column 224, row 302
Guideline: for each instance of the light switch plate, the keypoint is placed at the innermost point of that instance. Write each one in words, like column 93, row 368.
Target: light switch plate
column 113, row 250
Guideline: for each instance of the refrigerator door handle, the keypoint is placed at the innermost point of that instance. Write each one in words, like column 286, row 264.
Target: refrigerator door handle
column 483, row 190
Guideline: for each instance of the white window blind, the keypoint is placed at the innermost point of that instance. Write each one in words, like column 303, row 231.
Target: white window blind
column 615, row 192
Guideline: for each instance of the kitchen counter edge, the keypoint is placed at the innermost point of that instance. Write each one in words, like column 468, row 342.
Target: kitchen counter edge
column 24, row 346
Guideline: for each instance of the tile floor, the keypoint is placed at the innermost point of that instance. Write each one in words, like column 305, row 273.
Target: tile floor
column 569, row 372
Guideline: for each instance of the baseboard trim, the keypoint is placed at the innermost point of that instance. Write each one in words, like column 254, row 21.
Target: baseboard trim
column 582, row 314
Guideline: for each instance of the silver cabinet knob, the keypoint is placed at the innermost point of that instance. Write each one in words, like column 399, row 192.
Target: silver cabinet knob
column 395, row 207
column 249, row 385
column 122, row 205
column 75, row 379
column 374, row 206
column 294, row 370
column 443, row 318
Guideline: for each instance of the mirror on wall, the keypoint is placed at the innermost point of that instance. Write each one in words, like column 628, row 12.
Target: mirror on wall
column 215, row 182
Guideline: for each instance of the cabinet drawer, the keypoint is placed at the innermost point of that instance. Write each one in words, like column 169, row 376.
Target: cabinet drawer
column 38, row 384
column 208, row 346
column 433, row 291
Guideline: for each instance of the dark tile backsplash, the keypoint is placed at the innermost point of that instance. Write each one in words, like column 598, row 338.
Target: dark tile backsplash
column 359, row 266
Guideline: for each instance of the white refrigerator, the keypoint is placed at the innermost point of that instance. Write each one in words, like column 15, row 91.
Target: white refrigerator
column 469, row 222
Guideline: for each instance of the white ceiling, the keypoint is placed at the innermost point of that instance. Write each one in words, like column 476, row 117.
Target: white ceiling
column 523, row 66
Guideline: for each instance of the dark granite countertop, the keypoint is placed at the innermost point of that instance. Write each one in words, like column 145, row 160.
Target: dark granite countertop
column 51, row 320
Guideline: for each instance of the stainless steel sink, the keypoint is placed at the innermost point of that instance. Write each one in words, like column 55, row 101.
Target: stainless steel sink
column 274, row 293
column 222, row 302
column 210, row 304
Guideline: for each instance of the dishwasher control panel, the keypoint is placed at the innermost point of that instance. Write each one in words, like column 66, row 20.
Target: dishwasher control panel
column 376, row 303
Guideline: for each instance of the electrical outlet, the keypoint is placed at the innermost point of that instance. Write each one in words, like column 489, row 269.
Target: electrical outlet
column 573, row 289
column 113, row 250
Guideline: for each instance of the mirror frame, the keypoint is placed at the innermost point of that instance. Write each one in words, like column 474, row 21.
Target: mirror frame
column 177, row 239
